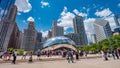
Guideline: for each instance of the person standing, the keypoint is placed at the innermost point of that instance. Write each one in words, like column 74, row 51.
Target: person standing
column 119, row 51
column 30, row 58
column 116, row 53
column 24, row 55
column 77, row 55
column 70, row 56
column 14, row 57
column 38, row 54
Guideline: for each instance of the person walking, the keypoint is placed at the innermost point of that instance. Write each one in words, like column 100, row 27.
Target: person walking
column 14, row 57
column 70, row 56
column 105, row 55
column 113, row 54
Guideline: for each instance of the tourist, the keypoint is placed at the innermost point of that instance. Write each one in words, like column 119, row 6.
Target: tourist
column 105, row 55
column 81, row 53
column 5, row 55
column 70, row 56
column 77, row 55
column 24, row 55
column 116, row 53
column 38, row 54
column 119, row 51
column 14, row 57
column 48, row 53
column 30, row 58
column 10, row 54
column 113, row 54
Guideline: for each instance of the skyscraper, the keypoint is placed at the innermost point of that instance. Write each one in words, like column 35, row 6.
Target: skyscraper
column 79, row 30
column 57, row 30
column 93, row 38
column 4, row 7
column 49, row 34
column 102, row 29
column 38, row 44
column 8, row 28
column 30, row 36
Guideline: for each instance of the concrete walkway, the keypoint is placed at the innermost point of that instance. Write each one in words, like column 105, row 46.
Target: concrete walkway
column 83, row 63
column 51, row 58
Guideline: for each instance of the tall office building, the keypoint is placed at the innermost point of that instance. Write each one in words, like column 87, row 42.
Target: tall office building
column 30, row 36
column 93, row 38
column 4, row 7
column 75, row 38
column 79, row 30
column 39, row 41
column 102, row 29
column 57, row 30
column 9, row 29
column 49, row 34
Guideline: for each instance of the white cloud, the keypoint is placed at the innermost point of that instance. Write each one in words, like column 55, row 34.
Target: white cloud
column 66, row 19
column 23, row 5
column 111, row 22
column 104, row 13
column 44, row 33
column 44, row 4
column 80, row 13
column 119, row 5
column 30, row 19
column 88, row 23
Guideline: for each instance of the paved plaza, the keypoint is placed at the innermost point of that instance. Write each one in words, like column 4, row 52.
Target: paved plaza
column 83, row 63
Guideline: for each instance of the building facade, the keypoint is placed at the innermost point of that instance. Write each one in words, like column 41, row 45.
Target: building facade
column 5, row 6
column 79, row 31
column 49, row 34
column 57, row 30
column 102, row 29
column 75, row 38
column 93, row 38
column 29, row 38
column 9, row 30
column 38, row 44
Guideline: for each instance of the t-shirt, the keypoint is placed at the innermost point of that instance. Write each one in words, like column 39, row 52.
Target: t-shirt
column 15, row 53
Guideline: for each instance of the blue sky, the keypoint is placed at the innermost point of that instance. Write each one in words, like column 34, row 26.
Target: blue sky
column 43, row 12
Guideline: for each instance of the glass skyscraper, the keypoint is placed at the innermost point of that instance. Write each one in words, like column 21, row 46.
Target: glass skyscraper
column 79, row 30
column 4, row 7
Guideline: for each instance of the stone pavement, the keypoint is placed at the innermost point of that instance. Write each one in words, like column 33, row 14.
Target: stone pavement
column 52, row 58
column 83, row 63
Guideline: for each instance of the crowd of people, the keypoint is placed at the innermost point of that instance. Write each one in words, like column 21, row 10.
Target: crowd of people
column 69, row 54
column 115, row 53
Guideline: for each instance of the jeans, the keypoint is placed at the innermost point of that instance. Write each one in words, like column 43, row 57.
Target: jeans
column 70, row 59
